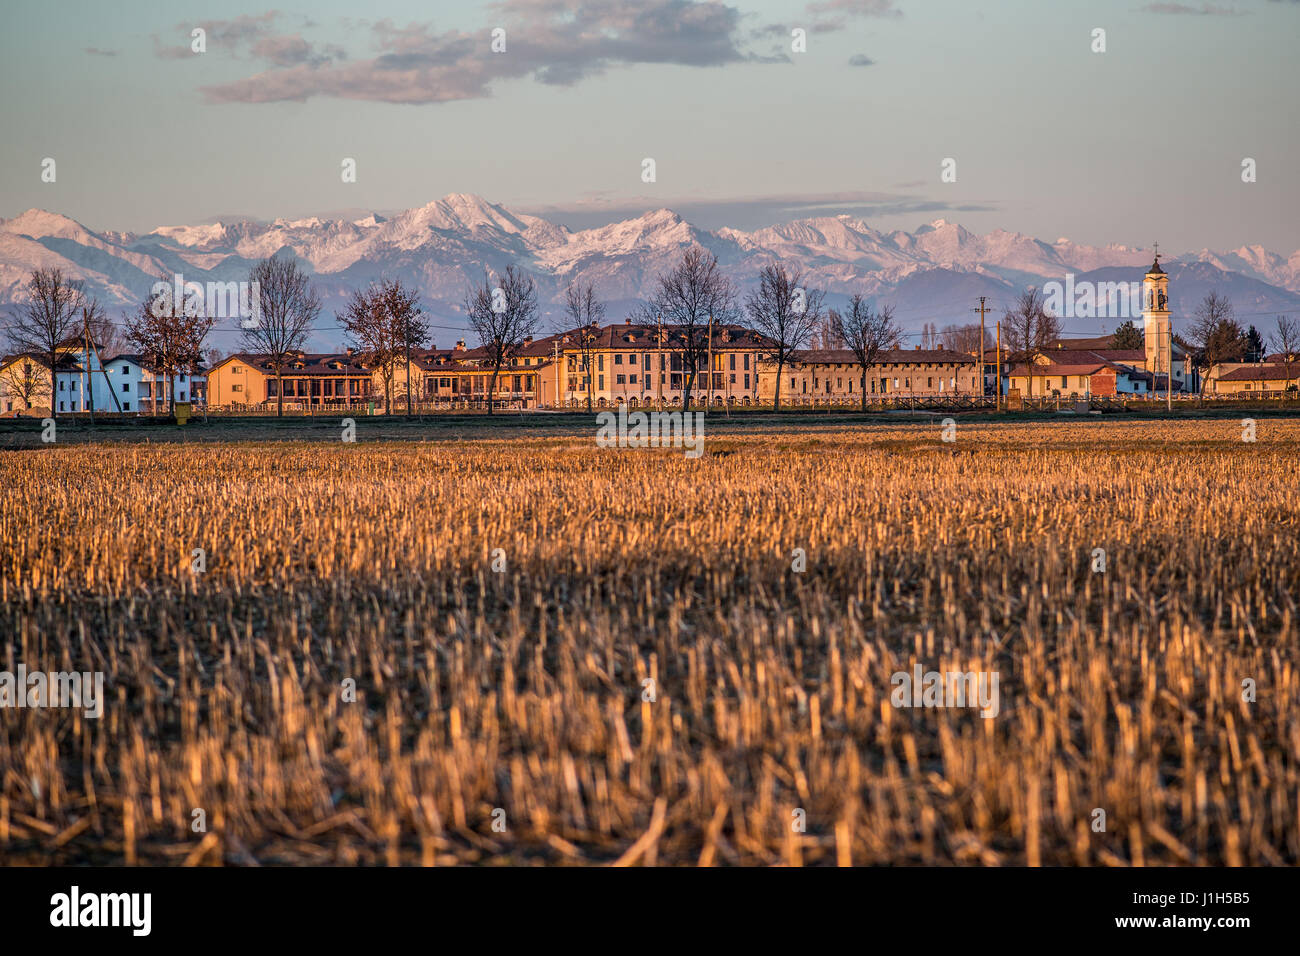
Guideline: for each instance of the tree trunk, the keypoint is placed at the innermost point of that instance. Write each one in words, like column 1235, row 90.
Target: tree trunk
column 776, row 396
column 863, row 383
column 54, row 386
column 492, row 388
column 279, row 392
column 408, row 379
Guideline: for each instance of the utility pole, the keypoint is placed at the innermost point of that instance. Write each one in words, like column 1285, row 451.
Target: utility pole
column 1169, row 372
column 981, row 310
column 88, row 372
column 997, row 388
column 555, row 351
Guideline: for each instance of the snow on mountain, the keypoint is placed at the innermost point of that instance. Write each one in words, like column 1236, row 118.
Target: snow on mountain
column 443, row 246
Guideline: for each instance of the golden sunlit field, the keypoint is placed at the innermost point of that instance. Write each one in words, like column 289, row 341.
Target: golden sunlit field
column 524, row 690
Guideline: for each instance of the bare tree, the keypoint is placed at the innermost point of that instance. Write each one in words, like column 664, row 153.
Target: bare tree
column 786, row 314
column 1286, row 339
column 366, row 322
column 1030, row 329
column 867, row 332
column 400, row 307
column 1216, row 332
column 288, row 306
column 690, row 299
column 43, row 325
column 169, row 336
column 964, row 338
column 502, row 314
column 583, row 313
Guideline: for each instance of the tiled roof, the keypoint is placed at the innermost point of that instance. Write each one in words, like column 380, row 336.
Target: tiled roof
column 1262, row 373
column 311, row 363
column 886, row 357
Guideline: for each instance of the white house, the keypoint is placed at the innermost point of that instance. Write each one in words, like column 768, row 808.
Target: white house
column 133, row 385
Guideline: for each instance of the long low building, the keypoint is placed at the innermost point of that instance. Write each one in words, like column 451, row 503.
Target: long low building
column 835, row 375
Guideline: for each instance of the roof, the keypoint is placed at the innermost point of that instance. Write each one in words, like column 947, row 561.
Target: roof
column 65, row 363
column 313, row 363
column 137, row 359
column 1087, row 356
column 1081, row 368
column 1261, row 373
column 1155, row 269
column 886, row 357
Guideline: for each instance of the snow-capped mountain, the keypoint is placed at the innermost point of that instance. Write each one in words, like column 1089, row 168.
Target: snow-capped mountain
column 931, row 275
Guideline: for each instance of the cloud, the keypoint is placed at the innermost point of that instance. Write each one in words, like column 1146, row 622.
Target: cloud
column 96, row 51
column 856, row 8
column 751, row 212
column 861, row 60
column 557, row 42
column 221, row 35
column 292, row 50
column 1205, row 9
column 834, row 15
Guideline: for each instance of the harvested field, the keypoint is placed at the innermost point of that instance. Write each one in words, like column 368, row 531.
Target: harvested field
column 509, row 686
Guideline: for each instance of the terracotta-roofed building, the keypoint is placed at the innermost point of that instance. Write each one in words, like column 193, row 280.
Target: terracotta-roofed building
column 1267, row 377
column 834, row 375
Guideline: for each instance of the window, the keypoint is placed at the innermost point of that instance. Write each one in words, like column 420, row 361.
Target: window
column 1065, row 380
column 126, row 406
column 61, row 384
column 180, row 397
column 236, row 387
column 746, row 361
column 234, row 370
column 631, row 379
column 733, row 364
column 747, row 383
column 600, row 379
column 600, row 361
column 619, row 379
column 61, row 406
column 182, row 380
column 929, row 382
column 126, row 387
column 618, row 358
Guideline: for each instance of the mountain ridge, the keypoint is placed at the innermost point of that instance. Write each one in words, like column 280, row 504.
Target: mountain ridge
column 441, row 247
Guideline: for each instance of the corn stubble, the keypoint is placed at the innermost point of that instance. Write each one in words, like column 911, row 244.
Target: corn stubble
column 523, row 690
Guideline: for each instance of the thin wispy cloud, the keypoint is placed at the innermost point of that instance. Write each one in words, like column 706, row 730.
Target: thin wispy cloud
column 1205, row 9
column 751, row 212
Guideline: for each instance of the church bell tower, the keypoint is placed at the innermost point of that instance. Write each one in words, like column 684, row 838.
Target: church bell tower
column 1155, row 317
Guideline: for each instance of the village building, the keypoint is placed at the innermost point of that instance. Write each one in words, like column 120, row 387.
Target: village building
column 1260, row 379
column 819, row 376
column 315, row 380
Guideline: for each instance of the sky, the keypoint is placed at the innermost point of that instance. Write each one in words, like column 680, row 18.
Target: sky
column 1144, row 141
